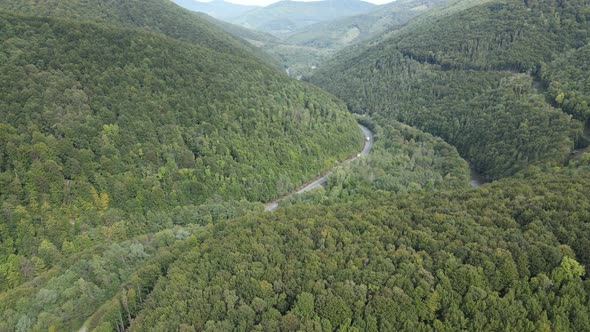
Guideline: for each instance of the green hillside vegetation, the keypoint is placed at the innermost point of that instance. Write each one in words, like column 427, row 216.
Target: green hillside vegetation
column 161, row 16
column 337, row 34
column 102, row 127
column 277, row 52
column 463, row 76
column 264, row 43
column 256, row 38
column 310, row 46
column 500, row 35
column 568, row 82
column 402, row 160
column 287, row 16
column 313, row 45
column 84, row 281
column 316, row 44
column 499, row 258
column 136, row 154
column 78, row 286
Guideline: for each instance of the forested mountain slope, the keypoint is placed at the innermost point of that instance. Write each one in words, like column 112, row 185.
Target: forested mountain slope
column 402, row 160
column 464, row 75
column 499, row 258
column 568, row 82
column 264, row 43
column 345, row 31
column 161, row 16
column 107, row 270
column 104, row 126
column 303, row 50
column 133, row 162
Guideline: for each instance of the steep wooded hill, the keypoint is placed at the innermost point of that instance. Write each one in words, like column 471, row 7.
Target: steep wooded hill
column 127, row 159
column 339, row 33
column 101, row 125
column 465, row 75
column 502, row 258
column 161, row 16
column 567, row 82
column 107, row 270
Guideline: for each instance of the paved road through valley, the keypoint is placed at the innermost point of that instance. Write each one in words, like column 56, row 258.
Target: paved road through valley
column 322, row 180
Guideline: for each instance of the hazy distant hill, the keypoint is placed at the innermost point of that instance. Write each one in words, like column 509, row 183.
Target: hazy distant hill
column 255, row 37
column 345, row 31
column 217, row 8
column 312, row 45
column 287, row 16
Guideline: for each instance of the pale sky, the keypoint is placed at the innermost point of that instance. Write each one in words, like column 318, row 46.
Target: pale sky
column 268, row 2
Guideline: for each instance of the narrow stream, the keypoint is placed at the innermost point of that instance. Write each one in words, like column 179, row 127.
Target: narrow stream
column 475, row 179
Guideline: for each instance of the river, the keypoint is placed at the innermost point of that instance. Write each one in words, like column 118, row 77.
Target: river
column 475, row 179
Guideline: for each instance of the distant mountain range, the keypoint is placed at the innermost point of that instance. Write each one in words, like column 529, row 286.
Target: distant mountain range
column 218, row 8
column 282, row 17
column 347, row 30
column 288, row 16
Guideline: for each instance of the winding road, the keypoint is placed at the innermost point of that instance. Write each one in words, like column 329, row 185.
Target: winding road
column 322, row 180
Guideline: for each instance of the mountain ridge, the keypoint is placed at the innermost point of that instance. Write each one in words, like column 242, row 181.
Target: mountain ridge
column 219, row 9
column 163, row 17
column 377, row 21
column 285, row 16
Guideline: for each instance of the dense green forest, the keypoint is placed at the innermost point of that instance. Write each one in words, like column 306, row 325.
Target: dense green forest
column 302, row 50
column 466, row 76
column 305, row 49
column 161, row 16
column 403, row 159
column 568, row 82
column 139, row 142
column 507, row 257
column 102, row 125
column 72, row 281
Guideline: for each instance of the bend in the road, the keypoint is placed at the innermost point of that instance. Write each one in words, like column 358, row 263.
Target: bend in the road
column 368, row 137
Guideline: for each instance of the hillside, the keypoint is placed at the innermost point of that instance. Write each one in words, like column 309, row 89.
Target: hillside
column 309, row 47
column 111, row 266
column 256, row 38
column 432, row 263
column 105, row 128
column 160, row 16
column 336, row 34
column 465, row 75
column 567, row 82
column 218, row 8
column 136, row 155
column 263, row 43
column 287, row 16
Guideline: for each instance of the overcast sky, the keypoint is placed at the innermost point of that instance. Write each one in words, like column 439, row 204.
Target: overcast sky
column 268, row 2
